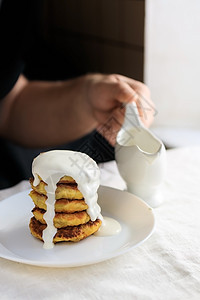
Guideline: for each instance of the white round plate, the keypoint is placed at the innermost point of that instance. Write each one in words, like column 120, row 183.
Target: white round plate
column 17, row 243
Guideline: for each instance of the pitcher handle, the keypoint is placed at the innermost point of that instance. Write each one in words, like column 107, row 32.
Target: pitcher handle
column 132, row 117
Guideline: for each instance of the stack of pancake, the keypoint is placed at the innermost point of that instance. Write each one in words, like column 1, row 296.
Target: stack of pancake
column 71, row 218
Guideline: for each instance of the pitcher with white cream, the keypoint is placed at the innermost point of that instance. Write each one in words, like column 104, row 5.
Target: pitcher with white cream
column 140, row 158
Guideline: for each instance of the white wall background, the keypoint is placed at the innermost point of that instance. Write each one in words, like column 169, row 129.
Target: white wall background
column 172, row 62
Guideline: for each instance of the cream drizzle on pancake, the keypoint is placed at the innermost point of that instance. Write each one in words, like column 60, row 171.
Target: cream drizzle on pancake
column 53, row 165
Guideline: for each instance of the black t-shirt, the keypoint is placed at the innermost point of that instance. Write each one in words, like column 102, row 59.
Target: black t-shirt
column 17, row 32
column 19, row 36
column 16, row 35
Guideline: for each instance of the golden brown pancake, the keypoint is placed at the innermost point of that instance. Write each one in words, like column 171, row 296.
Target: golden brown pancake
column 61, row 205
column 67, row 234
column 68, row 191
column 62, row 219
column 65, row 188
column 71, row 218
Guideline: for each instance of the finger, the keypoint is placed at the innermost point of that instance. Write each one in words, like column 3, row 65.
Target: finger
column 145, row 105
column 124, row 93
column 128, row 80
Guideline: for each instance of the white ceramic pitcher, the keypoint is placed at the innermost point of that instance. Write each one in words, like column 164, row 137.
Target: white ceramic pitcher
column 140, row 158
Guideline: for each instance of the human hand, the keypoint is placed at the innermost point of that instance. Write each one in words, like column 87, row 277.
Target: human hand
column 106, row 97
column 78, row 105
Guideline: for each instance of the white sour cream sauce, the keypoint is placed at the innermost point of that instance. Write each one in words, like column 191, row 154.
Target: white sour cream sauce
column 53, row 165
column 109, row 227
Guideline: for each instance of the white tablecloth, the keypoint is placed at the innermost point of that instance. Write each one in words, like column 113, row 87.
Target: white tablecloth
column 166, row 266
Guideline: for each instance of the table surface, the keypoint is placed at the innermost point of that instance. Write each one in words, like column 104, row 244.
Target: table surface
column 166, row 266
